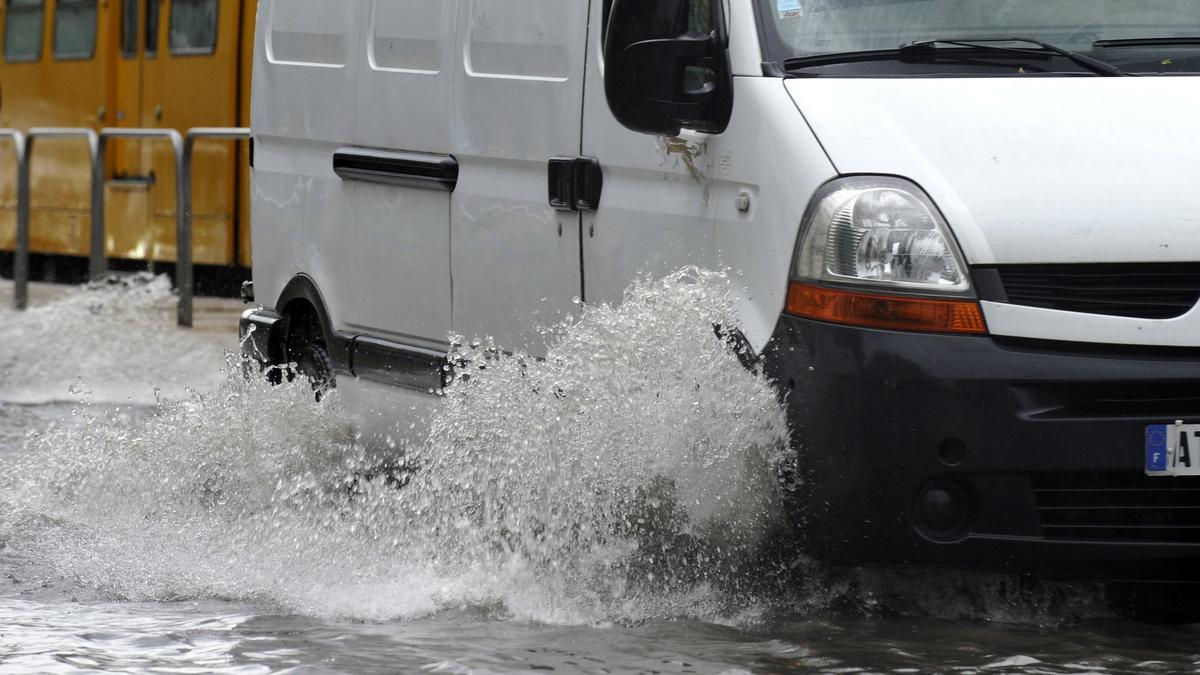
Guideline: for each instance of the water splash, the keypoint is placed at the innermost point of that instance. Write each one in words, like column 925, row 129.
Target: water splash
column 79, row 346
column 626, row 476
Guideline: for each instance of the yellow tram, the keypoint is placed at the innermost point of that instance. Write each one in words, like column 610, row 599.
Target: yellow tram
column 127, row 63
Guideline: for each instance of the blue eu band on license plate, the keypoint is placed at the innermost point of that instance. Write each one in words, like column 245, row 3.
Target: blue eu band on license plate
column 1173, row 449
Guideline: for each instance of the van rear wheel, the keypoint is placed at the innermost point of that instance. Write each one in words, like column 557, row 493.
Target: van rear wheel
column 307, row 352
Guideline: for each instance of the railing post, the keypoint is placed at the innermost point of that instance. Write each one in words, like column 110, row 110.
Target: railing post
column 21, row 250
column 21, row 247
column 184, row 202
column 183, row 236
column 98, row 260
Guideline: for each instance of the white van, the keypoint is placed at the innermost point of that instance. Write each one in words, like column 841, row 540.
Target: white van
column 965, row 233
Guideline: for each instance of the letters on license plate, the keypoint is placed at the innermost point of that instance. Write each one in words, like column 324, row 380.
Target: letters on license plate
column 1173, row 449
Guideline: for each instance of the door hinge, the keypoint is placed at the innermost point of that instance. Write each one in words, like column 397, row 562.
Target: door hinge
column 575, row 183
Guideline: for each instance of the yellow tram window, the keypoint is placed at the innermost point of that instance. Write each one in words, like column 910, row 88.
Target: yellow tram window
column 75, row 29
column 152, row 27
column 23, row 30
column 193, row 26
column 129, row 26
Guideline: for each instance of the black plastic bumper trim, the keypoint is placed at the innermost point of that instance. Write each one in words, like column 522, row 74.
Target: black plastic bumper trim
column 399, row 365
column 878, row 416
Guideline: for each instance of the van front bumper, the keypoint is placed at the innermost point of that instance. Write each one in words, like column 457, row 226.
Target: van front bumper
column 1034, row 452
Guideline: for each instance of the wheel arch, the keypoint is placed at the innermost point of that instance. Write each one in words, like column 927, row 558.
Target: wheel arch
column 302, row 296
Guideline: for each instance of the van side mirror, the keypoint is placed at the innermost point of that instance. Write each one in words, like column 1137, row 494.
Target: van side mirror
column 666, row 66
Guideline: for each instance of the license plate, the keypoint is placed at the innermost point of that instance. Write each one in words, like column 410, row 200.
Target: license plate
column 1173, row 449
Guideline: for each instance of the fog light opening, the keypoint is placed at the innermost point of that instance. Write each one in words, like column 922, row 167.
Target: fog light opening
column 941, row 511
column 952, row 451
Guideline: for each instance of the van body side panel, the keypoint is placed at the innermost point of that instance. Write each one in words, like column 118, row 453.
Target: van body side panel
column 404, row 99
column 517, row 102
column 301, row 113
column 401, row 234
column 770, row 154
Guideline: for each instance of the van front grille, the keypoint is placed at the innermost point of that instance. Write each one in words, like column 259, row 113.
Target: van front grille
column 1137, row 290
column 1118, row 507
column 1165, row 400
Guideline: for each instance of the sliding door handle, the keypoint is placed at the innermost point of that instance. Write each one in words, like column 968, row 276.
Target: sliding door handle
column 397, row 167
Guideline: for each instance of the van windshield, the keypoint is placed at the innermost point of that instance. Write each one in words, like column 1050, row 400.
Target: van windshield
column 856, row 38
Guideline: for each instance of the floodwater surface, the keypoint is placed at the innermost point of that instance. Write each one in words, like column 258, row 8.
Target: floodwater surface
column 610, row 508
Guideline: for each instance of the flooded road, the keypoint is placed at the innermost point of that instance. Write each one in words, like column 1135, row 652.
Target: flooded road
column 214, row 637
column 159, row 512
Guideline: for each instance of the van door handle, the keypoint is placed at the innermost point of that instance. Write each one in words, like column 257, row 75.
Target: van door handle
column 575, row 183
column 397, row 167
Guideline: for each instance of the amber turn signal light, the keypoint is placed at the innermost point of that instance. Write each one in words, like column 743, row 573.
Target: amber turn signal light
column 885, row 311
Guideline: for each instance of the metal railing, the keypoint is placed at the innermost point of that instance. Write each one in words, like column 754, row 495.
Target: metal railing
column 20, row 255
column 24, row 146
column 183, row 270
column 181, row 146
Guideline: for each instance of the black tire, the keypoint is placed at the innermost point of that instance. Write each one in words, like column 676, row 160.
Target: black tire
column 307, row 352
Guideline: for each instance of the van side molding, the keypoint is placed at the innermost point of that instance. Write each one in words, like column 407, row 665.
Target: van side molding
column 397, row 167
column 399, row 365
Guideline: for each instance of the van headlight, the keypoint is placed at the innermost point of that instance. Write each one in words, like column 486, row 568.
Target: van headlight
column 882, row 232
column 875, row 252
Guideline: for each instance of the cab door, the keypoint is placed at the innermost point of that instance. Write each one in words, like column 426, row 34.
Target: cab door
column 518, row 97
column 656, row 213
